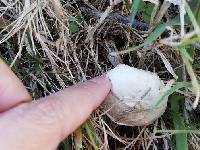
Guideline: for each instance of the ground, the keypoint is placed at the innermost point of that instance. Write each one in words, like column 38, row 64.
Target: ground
column 51, row 45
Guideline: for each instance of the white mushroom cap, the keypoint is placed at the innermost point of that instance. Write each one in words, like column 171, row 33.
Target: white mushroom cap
column 133, row 96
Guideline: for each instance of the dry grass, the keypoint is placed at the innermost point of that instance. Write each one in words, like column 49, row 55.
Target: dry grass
column 37, row 41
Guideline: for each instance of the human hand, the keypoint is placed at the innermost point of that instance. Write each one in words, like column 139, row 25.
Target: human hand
column 43, row 124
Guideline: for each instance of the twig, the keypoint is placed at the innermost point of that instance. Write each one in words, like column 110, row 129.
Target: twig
column 115, row 17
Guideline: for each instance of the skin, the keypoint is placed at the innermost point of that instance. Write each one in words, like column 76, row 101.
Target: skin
column 43, row 124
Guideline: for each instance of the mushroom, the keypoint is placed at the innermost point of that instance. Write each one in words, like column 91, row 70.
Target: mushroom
column 133, row 96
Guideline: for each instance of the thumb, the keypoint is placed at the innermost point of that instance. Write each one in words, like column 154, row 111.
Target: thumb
column 74, row 104
column 46, row 122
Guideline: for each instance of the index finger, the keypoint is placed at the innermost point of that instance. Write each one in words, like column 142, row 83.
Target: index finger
column 48, row 121
column 74, row 104
column 12, row 91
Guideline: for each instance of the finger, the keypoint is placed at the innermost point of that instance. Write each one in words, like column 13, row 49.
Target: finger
column 46, row 122
column 12, row 91
column 73, row 105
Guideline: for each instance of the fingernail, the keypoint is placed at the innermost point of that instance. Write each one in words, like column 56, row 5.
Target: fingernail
column 100, row 80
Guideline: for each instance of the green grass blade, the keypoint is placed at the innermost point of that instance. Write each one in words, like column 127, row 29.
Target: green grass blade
column 198, row 16
column 177, row 86
column 78, row 139
column 154, row 35
column 134, row 8
column 181, row 138
column 194, row 5
column 189, row 41
column 160, row 29
column 195, row 84
column 192, row 19
column 65, row 145
column 90, row 131
column 184, row 53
